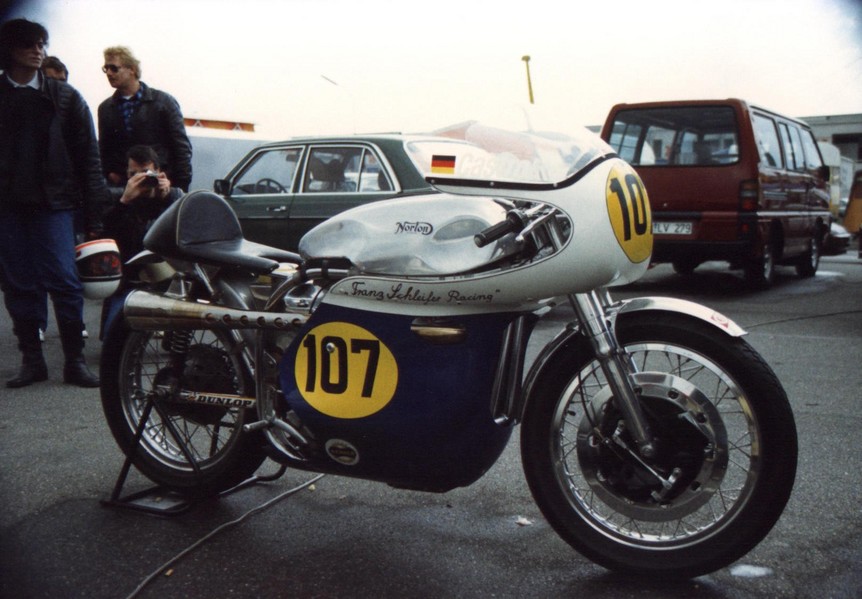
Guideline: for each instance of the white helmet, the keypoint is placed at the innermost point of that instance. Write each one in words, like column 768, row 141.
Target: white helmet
column 99, row 267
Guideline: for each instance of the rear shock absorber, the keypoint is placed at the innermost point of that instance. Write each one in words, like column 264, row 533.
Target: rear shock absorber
column 179, row 344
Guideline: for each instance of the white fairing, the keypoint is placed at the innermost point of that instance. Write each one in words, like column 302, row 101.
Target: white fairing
column 417, row 255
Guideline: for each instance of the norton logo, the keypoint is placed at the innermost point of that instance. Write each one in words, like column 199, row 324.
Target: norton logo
column 342, row 452
column 417, row 227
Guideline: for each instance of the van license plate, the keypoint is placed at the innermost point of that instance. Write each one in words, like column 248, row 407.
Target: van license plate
column 671, row 228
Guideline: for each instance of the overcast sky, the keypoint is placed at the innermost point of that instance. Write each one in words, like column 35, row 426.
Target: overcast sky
column 297, row 67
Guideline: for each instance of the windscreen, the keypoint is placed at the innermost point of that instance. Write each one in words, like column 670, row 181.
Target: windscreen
column 481, row 152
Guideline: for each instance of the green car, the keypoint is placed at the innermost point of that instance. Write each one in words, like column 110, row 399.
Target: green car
column 283, row 189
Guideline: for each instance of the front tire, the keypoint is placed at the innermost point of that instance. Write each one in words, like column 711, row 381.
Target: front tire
column 133, row 363
column 725, row 433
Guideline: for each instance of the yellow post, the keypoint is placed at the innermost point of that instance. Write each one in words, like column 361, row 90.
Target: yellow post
column 526, row 60
column 853, row 216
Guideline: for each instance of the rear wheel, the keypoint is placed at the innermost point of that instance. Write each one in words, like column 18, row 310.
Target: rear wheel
column 809, row 262
column 136, row 363
column 726, row 443
column 684, row 266
column 760, row 270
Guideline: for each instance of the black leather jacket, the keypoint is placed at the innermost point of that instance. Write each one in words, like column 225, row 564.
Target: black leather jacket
column 72, row 174
column 158, row 122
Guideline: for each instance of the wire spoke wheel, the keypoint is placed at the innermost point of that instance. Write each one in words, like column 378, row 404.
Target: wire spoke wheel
column 180, row 437
column 624, row 498
column 204, row 430
column 725, row 439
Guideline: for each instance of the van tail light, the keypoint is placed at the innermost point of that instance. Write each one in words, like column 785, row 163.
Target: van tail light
column 749, row 202
column 749, row 195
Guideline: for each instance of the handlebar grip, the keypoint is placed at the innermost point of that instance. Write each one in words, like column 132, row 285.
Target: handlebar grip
column 492, row 233
column 515, row 222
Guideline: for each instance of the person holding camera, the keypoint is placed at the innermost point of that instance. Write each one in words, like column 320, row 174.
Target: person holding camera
column 148, row 192
column 137, row 114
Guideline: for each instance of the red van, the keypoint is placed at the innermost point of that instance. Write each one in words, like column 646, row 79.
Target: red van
column 727, row 181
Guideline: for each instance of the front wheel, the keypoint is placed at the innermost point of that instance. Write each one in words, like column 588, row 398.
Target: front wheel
column 726, row 457
column 134, row 365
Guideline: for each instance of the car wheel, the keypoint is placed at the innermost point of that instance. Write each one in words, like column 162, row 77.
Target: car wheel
column 810, row 260
column 760, row 270
column 685, row 267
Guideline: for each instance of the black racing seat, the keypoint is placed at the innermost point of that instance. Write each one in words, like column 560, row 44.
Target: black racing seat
column 202, row 227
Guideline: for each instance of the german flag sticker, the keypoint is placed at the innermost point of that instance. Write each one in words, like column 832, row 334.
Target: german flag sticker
column 443, row 165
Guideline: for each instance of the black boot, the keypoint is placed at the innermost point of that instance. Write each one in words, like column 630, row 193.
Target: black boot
column 75, row 371
column 33, row 367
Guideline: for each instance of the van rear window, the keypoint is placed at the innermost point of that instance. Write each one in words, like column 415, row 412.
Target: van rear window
column 687, row 136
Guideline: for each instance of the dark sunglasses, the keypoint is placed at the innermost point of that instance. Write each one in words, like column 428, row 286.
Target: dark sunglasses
column 111, row 67
column 27, row 45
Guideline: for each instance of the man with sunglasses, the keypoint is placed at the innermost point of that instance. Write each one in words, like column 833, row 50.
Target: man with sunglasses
column 137, row 114
column 49, row 167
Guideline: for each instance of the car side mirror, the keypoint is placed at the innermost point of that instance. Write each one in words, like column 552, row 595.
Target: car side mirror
column 221, row 187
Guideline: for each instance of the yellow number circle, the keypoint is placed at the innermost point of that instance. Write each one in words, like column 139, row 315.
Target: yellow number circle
column 629, row 211
column 344, row 371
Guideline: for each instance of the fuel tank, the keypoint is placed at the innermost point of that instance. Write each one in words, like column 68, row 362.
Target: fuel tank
column 429, row 235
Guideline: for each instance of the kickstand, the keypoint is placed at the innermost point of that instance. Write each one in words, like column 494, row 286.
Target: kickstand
column 158, row 500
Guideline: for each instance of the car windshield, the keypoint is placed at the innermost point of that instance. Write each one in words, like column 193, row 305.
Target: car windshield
column 481, row 152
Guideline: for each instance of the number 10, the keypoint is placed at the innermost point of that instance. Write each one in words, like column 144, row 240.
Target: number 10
column 632, row 205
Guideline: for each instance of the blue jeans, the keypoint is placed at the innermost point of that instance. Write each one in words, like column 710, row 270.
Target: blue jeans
column 42, row 303
column 37, row 255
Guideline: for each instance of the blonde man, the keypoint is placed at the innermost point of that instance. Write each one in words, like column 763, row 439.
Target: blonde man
column 137, row 114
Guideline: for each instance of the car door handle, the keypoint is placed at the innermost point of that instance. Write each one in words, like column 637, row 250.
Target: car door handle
column 277, row 209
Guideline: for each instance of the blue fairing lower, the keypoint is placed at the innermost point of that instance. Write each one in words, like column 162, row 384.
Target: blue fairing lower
column 437, row 432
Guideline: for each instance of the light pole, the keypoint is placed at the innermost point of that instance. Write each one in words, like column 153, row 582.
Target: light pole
column 526, row 60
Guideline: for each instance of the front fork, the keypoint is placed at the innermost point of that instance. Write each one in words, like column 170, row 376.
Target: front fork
column 616, row 364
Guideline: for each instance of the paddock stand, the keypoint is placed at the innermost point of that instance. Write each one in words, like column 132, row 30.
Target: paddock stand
column 158, row 500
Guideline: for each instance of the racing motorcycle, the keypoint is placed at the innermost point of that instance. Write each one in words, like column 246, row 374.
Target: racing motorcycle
column 392, row 347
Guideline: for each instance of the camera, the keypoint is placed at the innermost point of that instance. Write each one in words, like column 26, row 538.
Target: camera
column 151, row 179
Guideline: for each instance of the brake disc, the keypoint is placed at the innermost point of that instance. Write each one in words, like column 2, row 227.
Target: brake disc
column 691, row 460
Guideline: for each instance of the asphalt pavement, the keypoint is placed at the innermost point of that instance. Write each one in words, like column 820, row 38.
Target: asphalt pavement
column 342, row 537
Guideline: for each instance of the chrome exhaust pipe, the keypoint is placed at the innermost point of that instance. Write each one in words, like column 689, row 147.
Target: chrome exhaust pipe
column 147, row 311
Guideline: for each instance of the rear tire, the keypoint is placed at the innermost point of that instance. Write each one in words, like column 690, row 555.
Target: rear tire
column 760, row 271
column 685, row 267
column 730, row 483
column 809, row 262
column 133, row 362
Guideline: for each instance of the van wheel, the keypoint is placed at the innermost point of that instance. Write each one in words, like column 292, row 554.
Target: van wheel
column 760, row 271
column 685, row 267
column 810, row 260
